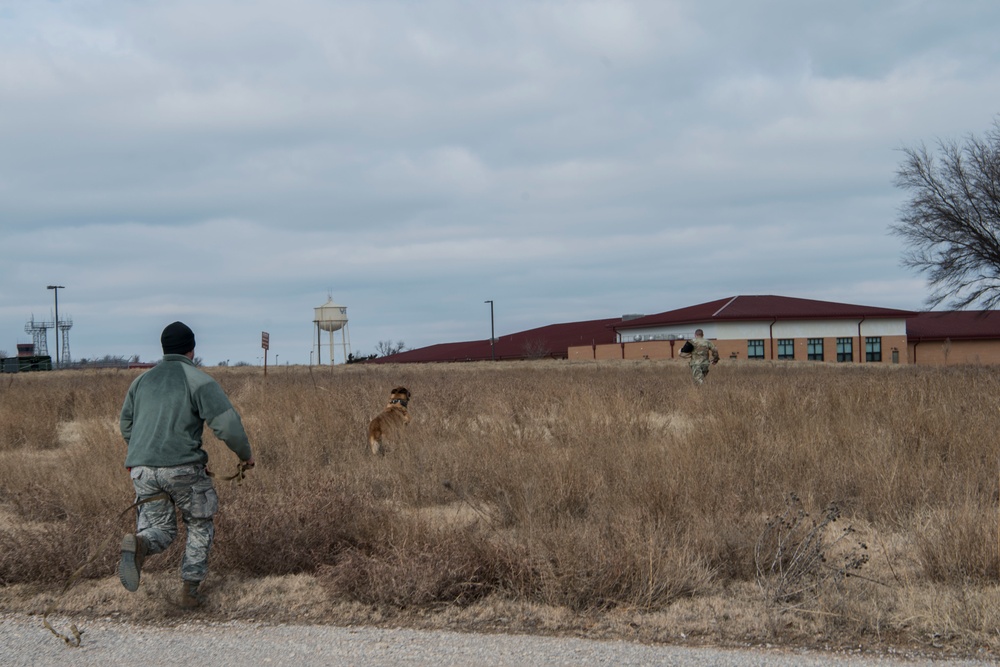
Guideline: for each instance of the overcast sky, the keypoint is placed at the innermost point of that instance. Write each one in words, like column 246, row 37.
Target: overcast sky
column 231, row 164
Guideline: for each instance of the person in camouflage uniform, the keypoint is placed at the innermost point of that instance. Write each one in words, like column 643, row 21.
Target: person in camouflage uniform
column 162, row 420
column 702, row 353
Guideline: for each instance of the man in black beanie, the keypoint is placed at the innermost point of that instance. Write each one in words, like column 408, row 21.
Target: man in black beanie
column 162, row 421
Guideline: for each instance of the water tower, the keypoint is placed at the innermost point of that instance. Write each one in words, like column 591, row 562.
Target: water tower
column 331, row 317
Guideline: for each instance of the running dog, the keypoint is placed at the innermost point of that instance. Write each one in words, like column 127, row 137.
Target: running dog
column 390, row 420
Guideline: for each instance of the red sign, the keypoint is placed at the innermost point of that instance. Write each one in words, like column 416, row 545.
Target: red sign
column 265, row 340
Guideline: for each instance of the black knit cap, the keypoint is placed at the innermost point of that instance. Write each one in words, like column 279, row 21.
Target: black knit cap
column 177, row 338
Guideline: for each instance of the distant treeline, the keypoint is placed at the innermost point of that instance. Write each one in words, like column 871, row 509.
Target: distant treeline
column 22, row 364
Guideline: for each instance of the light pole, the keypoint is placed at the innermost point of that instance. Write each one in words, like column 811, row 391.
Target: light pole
column 55, row 291
column 493, row 352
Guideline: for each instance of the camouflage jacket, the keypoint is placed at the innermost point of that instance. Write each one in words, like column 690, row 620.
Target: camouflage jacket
column 701, row 351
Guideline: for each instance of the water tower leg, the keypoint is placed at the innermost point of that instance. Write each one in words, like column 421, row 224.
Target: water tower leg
column 319, row 346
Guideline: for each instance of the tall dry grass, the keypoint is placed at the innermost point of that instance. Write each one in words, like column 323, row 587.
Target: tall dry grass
column 841, row 495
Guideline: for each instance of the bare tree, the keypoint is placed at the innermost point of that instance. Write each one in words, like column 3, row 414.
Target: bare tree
column 951, row 222
column 386, row 347
column 536, row 349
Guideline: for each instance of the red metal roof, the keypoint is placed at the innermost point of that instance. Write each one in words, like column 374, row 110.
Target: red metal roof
column 954, row 324
column 763, row 308
column 551, row 341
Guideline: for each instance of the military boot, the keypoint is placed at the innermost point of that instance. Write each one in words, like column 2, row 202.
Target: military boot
column 190, row 597
column 134, row 550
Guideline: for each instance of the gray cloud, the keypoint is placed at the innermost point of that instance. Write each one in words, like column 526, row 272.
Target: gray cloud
column 232, row 163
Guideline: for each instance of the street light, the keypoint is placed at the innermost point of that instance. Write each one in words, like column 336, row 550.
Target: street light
column 493, row 352
column 55, row 291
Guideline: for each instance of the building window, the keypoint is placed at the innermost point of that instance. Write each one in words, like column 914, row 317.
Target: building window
column 845, row 349
column 755, row 349
column 873, row 348
column 815, row 349
column 786, row 348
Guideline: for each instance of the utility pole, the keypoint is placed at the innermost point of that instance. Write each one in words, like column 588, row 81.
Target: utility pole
column 55, row 290
column 493, row 351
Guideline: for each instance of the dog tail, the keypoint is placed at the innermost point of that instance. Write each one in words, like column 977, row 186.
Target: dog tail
column 375, row 438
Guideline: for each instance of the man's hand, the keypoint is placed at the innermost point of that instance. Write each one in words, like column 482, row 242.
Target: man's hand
column 249, row 463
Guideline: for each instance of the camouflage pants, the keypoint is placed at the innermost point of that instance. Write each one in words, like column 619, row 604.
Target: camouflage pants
column 191, row 490
column 699, row 370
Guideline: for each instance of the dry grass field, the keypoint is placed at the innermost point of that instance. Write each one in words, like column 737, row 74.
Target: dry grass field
column 785, row 504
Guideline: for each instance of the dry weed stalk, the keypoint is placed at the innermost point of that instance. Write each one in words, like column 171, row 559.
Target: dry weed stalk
column 792, row 555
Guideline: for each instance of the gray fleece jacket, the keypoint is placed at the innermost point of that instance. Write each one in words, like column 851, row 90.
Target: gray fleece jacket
column 166, row 409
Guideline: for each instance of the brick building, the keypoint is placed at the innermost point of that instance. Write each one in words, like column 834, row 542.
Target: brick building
column 765, row 327
column 750, row 327
column 954, row 337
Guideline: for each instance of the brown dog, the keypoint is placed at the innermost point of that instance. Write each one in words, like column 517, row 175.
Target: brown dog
column 390, row 420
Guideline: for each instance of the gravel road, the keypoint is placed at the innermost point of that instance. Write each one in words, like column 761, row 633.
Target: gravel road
column 109, row 643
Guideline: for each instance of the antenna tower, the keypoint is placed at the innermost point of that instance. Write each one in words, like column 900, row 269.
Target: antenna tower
column 64, row 326
column 39, row 331
column 39, row 335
